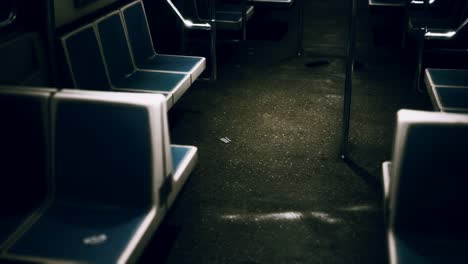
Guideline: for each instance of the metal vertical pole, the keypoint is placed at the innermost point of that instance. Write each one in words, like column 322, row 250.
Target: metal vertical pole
column 420, row 50
column 300, row 26
column 244, row 19
column 419, row 59
column 183, row 39
column 351, row 47
column 50, row 38
column 214, row 67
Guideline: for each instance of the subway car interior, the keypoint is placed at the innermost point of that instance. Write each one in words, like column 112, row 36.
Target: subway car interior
column 233, row 131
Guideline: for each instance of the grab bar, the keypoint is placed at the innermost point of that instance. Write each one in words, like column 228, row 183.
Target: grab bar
column 421, row 2
column 445, row 34
column 187, row 22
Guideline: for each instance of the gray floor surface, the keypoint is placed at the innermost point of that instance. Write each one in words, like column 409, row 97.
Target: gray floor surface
column 278, row 193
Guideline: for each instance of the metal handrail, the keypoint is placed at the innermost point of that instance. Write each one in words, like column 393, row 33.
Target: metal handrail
column 445, row 35
column 350, row 60
column 11, row 18
column 421, row 2
column 209, row 25
column 187, row 22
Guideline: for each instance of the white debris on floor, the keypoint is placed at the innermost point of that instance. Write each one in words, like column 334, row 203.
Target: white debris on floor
column 226, row 140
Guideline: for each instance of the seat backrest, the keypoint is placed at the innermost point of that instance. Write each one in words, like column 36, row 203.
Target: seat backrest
column 24, row 151
column 108, row 148
column 462, row 13
column 115, row 47
column 85, row 60
column 453, row 10
column 203, row 8
column 429, row 175
column 138, row 32
column 24, row 60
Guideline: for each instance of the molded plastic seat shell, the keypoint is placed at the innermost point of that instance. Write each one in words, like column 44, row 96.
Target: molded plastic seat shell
column 122, row 72
column 141, row 43
column 427, row 188
column 448, row 89
column 24, row 141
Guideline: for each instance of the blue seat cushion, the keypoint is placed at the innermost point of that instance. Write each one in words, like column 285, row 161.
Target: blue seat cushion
column 446, row 77
column 450, row 87
column 88, row 71
column 452, row 97
column 170, row 63
column 178, row 155
column 71, row 232
column 184, row 159
column 151, row 81
column 412, row 248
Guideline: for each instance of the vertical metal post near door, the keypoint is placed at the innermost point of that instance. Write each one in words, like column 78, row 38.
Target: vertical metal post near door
column 420, row 50
column 214, row 66
column 51, row 36
column 350, row 54
column 244, row 19
column 300, row 26
column 183, row 31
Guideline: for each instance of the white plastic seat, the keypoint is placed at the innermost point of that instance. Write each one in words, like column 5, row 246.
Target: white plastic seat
column 25, row 162
column 93, row 72
column 142, row 47
column 108, row 172
column 425, row 188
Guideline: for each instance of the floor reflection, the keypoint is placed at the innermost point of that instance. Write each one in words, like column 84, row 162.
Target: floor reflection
column 283, row 216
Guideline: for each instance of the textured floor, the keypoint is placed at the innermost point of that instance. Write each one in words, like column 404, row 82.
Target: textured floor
column 277, row 193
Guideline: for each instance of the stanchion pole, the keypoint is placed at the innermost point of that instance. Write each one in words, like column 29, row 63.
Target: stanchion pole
column 350, row 54
column 300, row 27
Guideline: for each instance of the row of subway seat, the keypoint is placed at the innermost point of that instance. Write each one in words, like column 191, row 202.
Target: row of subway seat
column 116, row 52
column 90, row 172
column 88, row 175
